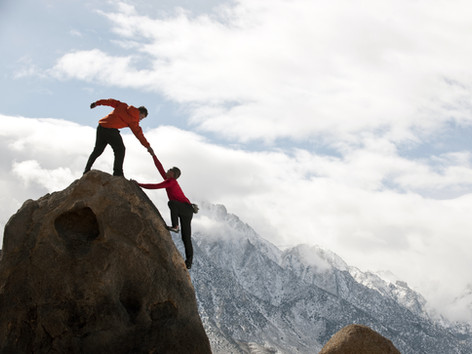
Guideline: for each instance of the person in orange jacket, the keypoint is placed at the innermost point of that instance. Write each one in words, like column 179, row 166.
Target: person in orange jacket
column 108, row 132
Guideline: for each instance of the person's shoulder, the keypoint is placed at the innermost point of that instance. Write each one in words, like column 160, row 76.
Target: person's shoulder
column 122, row 104
column 133, row 111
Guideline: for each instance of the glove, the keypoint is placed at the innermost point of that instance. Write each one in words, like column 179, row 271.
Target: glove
column 93, row 105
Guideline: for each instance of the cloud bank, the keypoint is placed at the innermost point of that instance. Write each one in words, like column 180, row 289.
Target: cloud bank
column 297, row 69
column 289, row 197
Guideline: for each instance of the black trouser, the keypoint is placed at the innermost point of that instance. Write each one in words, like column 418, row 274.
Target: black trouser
column 184, row 211
column 107, row 136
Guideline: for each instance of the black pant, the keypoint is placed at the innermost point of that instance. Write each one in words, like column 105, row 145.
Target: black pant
column 184, row 211
column 107, row 136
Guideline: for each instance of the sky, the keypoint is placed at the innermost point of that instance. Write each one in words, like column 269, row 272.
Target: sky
column 340, row 124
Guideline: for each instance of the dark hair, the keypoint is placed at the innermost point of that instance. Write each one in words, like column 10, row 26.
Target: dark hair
column 143, row 110
column 176, row 171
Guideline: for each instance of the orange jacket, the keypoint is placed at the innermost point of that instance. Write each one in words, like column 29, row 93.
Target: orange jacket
column 122, row 116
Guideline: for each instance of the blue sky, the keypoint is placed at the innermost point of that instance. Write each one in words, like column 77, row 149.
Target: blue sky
column 337, row 124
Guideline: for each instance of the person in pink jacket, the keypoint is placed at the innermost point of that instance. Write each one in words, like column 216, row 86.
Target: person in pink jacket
column 122, row 116
column 179, row 205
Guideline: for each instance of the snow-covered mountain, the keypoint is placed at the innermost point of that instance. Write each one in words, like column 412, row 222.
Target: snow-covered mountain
column 256, row 298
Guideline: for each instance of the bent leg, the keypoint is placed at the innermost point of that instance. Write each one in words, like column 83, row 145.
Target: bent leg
column 174, row 212
column 184, row 212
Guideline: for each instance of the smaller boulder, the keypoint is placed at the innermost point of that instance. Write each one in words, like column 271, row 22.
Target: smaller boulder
column 355, row 339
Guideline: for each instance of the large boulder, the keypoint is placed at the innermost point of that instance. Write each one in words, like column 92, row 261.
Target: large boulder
column 356, row 339
column 92, row 269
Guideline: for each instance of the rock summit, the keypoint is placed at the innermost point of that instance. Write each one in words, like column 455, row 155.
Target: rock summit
column 92, row 269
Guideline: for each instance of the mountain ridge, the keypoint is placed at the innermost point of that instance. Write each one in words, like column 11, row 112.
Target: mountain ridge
column 293, row 301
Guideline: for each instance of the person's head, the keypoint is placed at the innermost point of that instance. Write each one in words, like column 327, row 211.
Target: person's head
column 174, row 172
column 142, row 112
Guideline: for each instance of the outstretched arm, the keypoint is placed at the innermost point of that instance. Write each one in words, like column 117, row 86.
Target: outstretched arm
column 138, row 133
column 159, row 167
column 109, row 102
column 164, row 184
column 161, row 170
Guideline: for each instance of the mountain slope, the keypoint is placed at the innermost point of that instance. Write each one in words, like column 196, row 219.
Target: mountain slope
column 255, row 298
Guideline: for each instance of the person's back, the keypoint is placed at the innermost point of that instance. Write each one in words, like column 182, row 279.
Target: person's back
column 122, row 115
column 107, row 132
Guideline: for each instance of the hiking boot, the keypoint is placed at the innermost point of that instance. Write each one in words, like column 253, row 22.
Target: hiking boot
column 173, row 228
column 188, row 263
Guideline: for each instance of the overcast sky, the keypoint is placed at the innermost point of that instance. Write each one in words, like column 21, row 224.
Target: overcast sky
column 342, row 124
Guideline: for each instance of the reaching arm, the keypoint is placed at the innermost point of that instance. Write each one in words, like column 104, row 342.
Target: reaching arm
column 138, row 133
column 159, row 166
column 164, row 184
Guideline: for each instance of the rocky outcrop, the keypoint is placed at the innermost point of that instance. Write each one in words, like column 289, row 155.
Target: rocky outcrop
column 358, row 339
column 92, row 269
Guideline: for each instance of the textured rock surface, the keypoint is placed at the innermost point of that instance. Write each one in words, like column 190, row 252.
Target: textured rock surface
column 355, row 339
column 92, row 269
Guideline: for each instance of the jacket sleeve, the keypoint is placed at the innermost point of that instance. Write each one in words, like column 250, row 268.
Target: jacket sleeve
column 108, row 102
column 138, row 133
column 159, row 166
column 164, row 184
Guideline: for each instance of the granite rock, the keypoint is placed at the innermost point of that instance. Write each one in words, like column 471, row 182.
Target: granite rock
column 92, row 269
column 355, row 339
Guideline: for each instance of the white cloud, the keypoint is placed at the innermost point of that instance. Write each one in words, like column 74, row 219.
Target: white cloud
column 98, row 66
column 30, row 172
column 75, row 33
column 298, row 69
column 26, row 68
column 30, row 139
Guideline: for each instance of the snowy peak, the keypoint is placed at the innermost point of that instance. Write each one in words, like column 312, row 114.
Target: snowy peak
column 397, row 291
column 253, row 296
column 216, row 225
column 240, row 247
column 313, row 259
